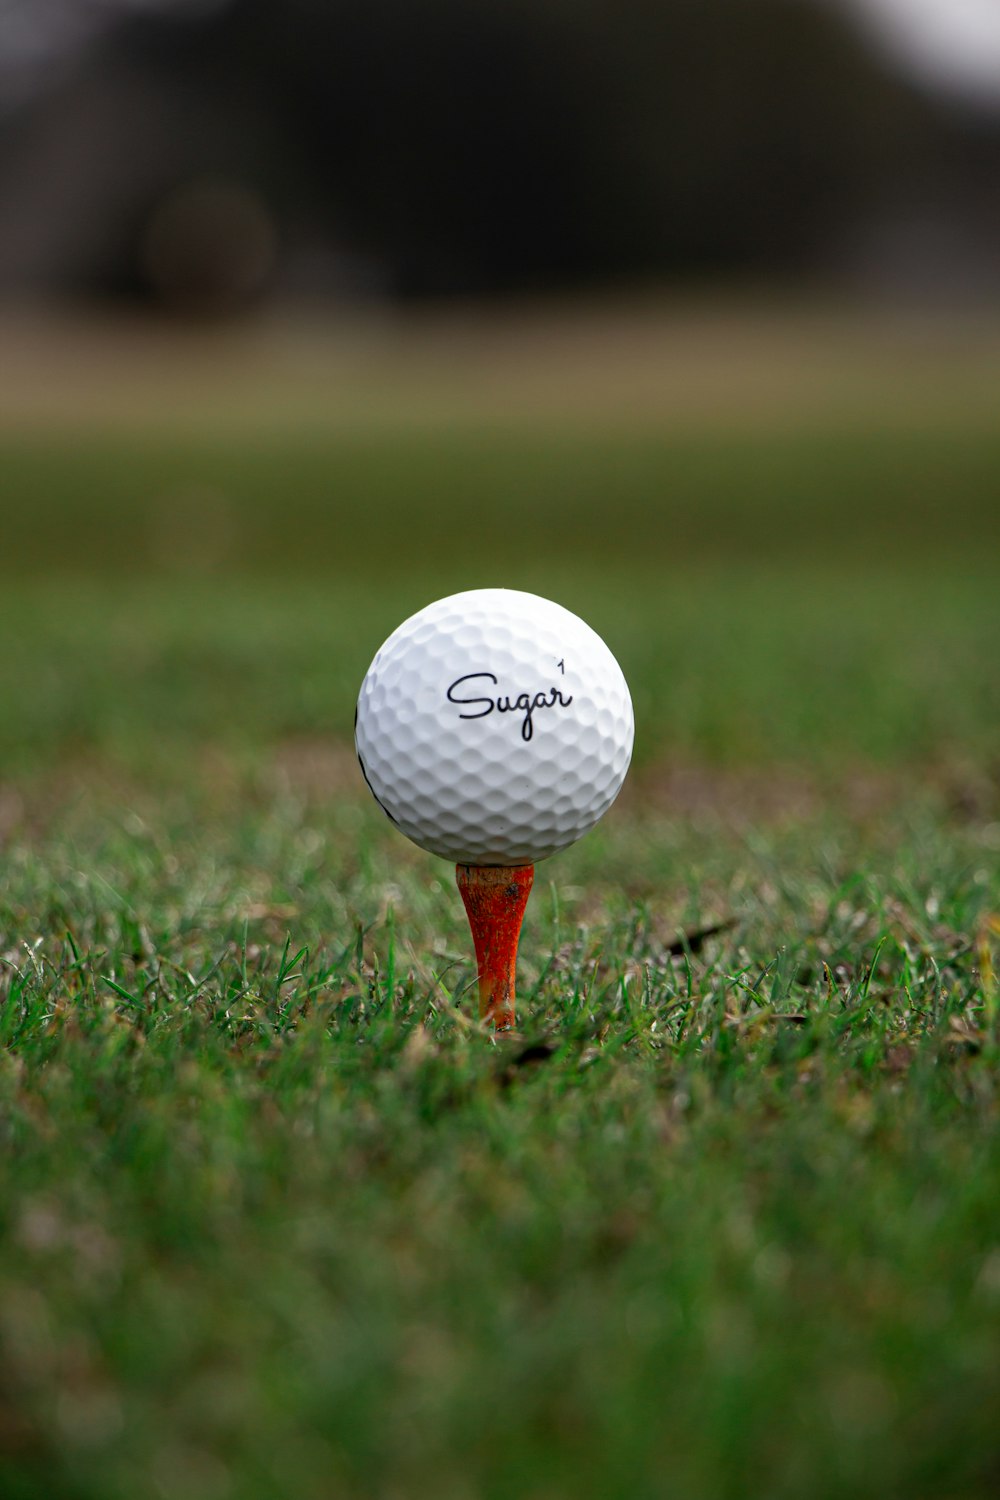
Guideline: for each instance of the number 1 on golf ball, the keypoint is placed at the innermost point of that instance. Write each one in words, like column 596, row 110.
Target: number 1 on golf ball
column 495, row 728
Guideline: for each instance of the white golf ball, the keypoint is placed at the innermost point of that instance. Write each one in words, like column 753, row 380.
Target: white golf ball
column 494, row 727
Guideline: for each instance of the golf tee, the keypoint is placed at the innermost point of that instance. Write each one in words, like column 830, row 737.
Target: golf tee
column 495, row 897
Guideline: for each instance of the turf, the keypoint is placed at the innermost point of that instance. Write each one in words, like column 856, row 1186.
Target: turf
column 722, row 1219
column 280, row 1220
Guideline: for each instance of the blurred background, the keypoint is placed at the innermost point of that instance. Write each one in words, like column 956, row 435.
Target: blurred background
column 640, row 303
column 203, row 156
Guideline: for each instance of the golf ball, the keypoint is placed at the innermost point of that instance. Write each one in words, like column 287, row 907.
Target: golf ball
column 494, row 727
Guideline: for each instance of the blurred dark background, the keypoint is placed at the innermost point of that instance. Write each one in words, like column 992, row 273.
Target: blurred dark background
column 199, row 155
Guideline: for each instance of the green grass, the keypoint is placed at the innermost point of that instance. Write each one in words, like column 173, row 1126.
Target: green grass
column 723, row 1218
column 280, row 1220
column 387, row 504
column 816, row 665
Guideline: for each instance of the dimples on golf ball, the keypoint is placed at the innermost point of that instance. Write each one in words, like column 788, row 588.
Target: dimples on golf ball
column 494, row 727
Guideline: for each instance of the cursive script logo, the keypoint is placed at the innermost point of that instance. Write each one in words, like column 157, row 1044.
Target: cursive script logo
column 524, row 703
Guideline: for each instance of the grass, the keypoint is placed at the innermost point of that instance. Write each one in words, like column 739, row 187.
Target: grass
column 721, row 1219
column 279, row 1220
column 513, row 500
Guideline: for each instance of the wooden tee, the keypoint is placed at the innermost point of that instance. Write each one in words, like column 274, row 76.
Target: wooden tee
column 495, row 897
